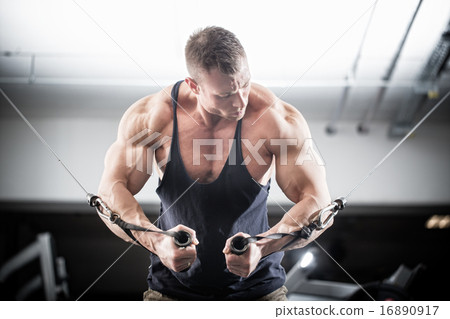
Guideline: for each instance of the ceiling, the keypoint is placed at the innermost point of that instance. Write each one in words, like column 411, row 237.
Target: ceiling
column 303, row 50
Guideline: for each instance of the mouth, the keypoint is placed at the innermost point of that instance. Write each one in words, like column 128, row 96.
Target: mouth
column 238, row 113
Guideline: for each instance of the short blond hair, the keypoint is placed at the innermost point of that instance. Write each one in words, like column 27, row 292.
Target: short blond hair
column 213, row 47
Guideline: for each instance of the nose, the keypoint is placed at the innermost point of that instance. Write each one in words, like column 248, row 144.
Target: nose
column 240, row 100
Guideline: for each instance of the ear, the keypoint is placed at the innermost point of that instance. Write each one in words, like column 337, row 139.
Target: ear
column 195, row 88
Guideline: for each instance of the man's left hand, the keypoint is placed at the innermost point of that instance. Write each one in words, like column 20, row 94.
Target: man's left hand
column 242, row 265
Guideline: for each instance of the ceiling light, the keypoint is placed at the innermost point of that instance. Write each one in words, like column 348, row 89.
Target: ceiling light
column 438, row 222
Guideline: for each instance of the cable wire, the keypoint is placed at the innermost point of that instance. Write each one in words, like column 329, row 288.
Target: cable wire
column 43, row 141
column 398, row 145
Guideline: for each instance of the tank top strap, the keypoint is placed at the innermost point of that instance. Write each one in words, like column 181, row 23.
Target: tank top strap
column 236, row 155
column 174, row 95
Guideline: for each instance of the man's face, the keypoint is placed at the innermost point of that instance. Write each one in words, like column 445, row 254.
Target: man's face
column 225, row 95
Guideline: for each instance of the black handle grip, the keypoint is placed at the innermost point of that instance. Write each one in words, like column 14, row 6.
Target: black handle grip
column 239, row 245
column 182, row 238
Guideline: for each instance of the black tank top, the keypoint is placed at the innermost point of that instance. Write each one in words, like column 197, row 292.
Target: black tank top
column 232, row 203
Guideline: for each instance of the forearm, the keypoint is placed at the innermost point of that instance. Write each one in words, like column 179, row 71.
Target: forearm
column 120, row 200
column 299, row 216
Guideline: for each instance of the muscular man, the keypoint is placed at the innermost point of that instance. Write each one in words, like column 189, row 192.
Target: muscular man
column 227, row 138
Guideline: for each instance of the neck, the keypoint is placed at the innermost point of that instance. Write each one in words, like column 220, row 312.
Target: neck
column 209, row 120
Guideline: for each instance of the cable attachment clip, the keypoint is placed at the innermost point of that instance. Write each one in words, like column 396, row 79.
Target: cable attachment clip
column 96, row 202
column 332, row 210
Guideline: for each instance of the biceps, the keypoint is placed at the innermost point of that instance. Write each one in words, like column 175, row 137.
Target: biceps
column 296, row 181
column 136, row 181
column 128, row 166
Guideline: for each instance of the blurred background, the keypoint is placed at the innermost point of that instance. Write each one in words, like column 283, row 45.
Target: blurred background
column 362, row 72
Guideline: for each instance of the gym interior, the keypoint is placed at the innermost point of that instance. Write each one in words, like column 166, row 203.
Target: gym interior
column 371, row 78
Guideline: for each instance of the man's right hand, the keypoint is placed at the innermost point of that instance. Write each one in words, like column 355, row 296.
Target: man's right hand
column 174, row 257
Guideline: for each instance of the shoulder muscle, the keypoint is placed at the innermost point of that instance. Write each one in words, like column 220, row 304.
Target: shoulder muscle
column 152, row 113
column 277, row 118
